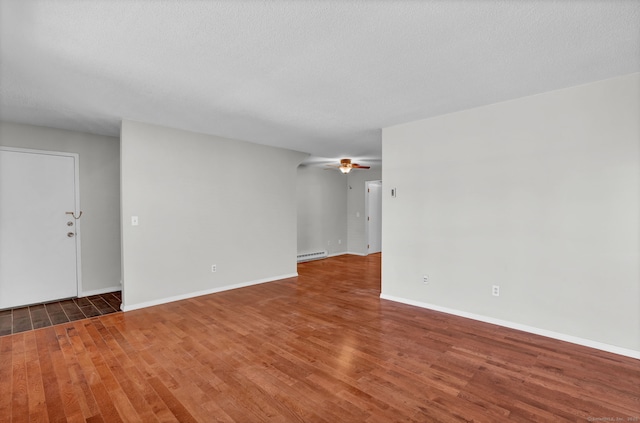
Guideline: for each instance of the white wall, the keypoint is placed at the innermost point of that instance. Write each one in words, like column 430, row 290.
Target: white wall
column 538, row 195
column 99, row 158
column 322, row 210
column 356, row 205
column 203, row 200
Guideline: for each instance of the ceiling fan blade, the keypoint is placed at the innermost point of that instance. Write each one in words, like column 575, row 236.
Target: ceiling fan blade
column 357, row 166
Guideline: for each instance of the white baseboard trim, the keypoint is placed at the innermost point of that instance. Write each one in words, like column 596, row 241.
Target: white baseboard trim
column 530, row 329
column 356, row 254
column 204, row 292
column 100, row 291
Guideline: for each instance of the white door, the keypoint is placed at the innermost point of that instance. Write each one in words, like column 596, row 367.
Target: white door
column 38, row 240
column 374, row 216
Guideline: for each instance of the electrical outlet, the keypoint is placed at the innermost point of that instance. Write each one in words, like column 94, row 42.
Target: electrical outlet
column 213, row 268
column 339, row 242
column 425, row 279
column 495, row 290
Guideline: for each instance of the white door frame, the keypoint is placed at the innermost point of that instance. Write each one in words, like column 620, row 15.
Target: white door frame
column 366, row 210
column 76, row 171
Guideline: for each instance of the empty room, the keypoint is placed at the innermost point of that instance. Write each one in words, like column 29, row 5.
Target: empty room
column 319, row 211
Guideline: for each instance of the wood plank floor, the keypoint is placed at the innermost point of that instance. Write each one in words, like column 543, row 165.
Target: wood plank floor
column 318, row 348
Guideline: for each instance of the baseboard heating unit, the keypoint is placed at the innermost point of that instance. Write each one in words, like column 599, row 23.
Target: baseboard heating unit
column 312, row 256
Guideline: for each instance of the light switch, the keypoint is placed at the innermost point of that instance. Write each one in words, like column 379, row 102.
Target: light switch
column 134, row 220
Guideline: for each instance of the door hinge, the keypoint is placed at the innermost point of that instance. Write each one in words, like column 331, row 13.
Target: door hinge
column 368, row 218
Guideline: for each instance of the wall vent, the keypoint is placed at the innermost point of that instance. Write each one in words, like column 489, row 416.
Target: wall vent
column 312, row 256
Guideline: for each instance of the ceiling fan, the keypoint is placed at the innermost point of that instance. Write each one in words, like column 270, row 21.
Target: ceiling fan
column 345, row 166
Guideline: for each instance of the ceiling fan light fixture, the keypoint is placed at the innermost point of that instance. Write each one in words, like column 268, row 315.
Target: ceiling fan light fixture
column 346, row 166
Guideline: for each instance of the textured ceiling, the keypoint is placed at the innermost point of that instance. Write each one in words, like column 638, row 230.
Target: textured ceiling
column 316, row 76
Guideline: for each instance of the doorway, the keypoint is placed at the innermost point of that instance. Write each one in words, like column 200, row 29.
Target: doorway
column 39, row 227
column 374, row 216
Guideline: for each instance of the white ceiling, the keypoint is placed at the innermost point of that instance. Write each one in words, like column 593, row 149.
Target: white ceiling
column 316, row 76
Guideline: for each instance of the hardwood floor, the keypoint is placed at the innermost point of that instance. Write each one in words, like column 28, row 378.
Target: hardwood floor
column 318, row 348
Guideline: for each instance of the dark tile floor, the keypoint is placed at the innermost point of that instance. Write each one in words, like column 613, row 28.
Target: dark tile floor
column 42, row 315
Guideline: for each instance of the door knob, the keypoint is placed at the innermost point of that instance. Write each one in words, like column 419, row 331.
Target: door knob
column 74, row 215
column 70, row 234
